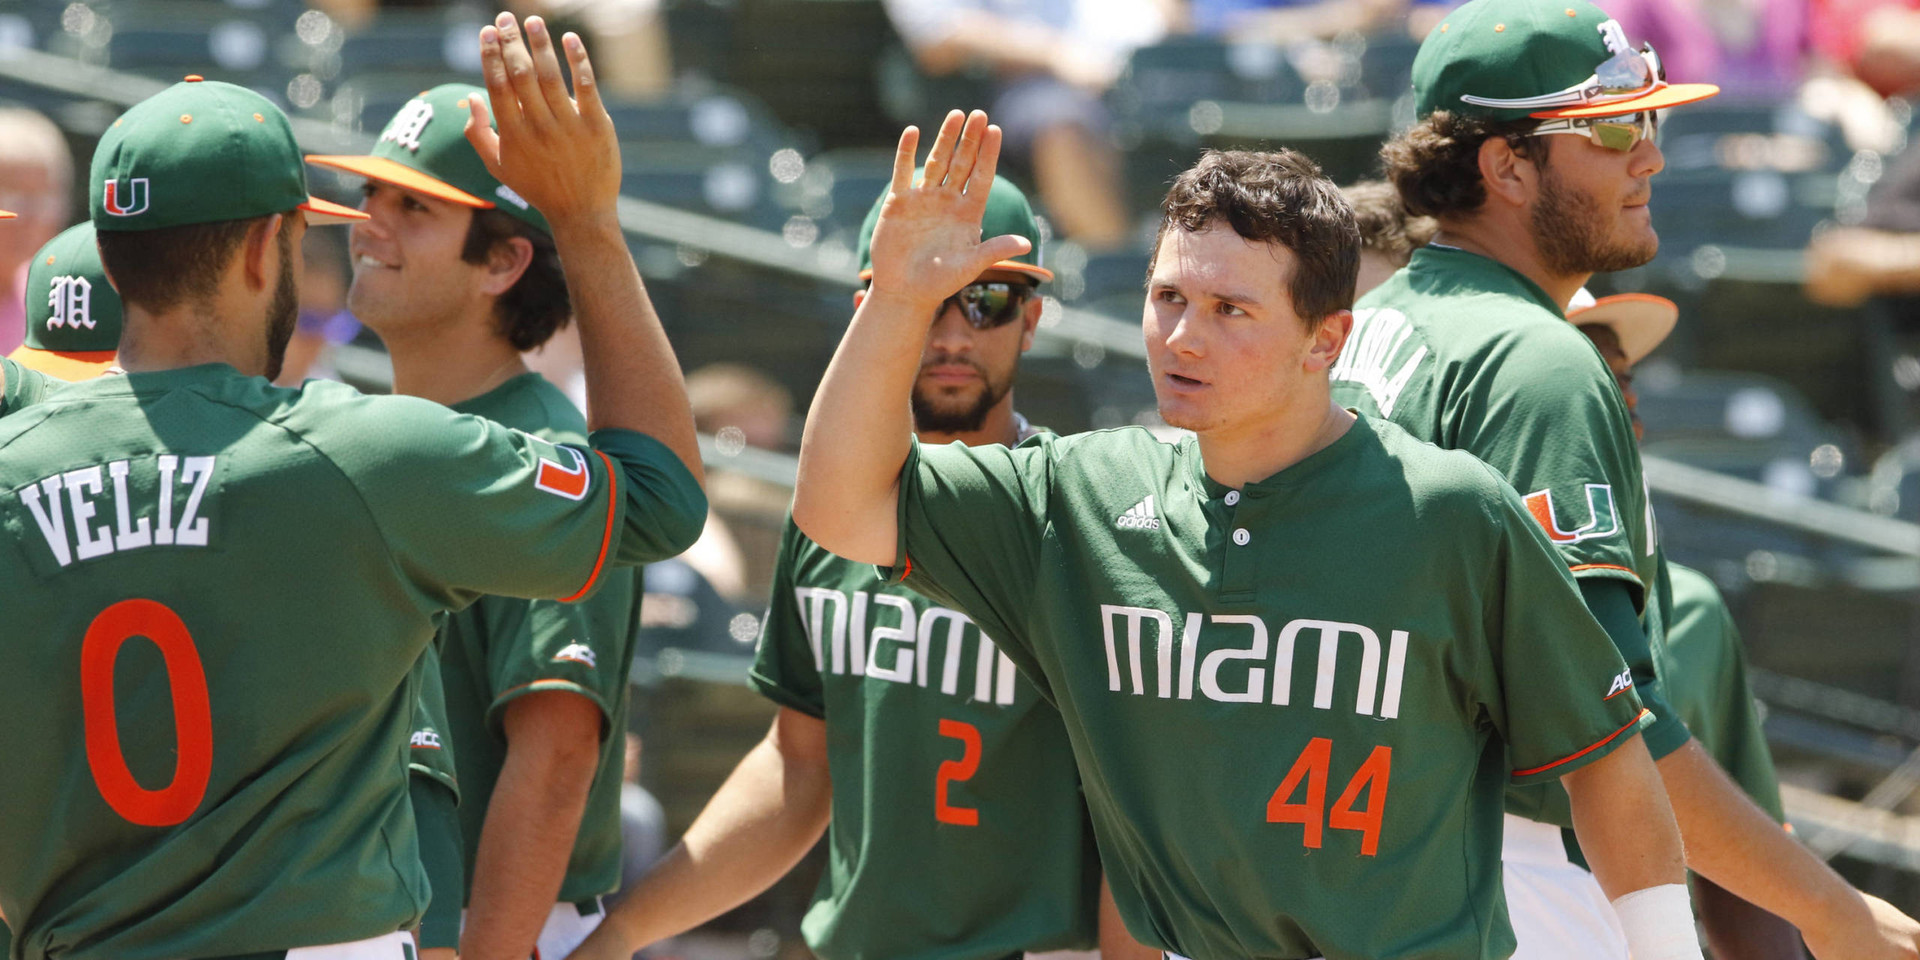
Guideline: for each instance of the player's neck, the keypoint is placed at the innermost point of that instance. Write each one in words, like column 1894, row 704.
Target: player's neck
column 453, row 363
column 1238, row 454
column 1000, row 426
column 188, row 336
column 1509, row 241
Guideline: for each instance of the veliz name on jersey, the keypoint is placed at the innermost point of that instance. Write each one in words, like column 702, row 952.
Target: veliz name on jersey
column 1372, row 356
column 1247, row 644
column 900, row 649
column 91, row 512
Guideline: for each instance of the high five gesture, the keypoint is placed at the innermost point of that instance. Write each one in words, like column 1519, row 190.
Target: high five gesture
column 927, row 244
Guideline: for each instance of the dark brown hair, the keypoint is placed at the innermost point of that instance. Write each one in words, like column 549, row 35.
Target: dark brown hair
column 536, row 306
column 1436, row 164
column 162, row 269
column 1385, row 226
column 1279, row 198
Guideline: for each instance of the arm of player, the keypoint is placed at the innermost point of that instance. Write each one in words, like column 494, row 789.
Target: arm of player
column 1627, row 833
column 1115, row 942
column 1736, row 928
column 768, row 814
column 1732, row 842
column 925, row 246
column 561, row 154
column 553, row 748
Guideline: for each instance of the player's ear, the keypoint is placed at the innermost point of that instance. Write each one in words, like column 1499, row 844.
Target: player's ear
column 1509, row 175
column 260, row 250
column 507, row 260
column 1329, row 338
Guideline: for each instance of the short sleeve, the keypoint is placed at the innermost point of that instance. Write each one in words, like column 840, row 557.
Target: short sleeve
column 24, row 387
column 970, row 523
column 544, row 645
column 1565, row 697
column 784, row 669
column 430, row 748
column 1549, row 418
column 440, row 856
column 468, row 507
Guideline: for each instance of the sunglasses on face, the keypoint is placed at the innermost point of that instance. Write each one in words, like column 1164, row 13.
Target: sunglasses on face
column 989, row 305
column 1615, row 133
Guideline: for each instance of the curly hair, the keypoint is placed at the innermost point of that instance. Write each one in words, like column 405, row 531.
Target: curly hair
column 1280, row 198
column 1435, row 165
column 1385, row 227
column 537, row 305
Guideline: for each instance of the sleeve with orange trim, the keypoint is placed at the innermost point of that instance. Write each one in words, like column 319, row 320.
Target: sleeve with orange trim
column 1546, row 414
column 1561, row 697
column 583, row 648
column 467, row 507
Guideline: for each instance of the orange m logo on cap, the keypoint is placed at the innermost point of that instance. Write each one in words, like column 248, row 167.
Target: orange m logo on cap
column 133, row 203
column 1602, row 520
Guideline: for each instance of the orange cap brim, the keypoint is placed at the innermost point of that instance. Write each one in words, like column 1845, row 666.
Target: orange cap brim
column 1041, row 274
column 72, row 367
column 1662, row 97
column 7, row 215
column 403, row 176
column 322, row 213
column 1642, row 321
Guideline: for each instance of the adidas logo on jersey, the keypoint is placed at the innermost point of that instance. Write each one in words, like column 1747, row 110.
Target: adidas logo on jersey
column 575, row 653
column 1621, row 684
column 1139, row 517
column 426, row 740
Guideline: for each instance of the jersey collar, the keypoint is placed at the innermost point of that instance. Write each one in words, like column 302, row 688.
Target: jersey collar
column 1464, row 268
column 1349, row 444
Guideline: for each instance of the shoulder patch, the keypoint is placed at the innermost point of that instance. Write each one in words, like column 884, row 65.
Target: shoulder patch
column 1602, row 519
column 576, row 653
column 569, row 482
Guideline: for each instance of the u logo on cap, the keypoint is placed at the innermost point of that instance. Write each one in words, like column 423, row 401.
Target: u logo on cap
column 135, row 201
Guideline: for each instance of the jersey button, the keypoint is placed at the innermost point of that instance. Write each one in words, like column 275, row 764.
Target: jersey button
column 1241, row 536
column 1233, row 497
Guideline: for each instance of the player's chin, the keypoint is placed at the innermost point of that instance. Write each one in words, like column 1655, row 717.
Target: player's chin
column 1183, row 413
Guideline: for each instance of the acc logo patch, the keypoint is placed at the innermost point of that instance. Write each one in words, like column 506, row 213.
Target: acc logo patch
column 132, row 203
column 70, row 303
column 1602, row 519
column 1621, row 684
column 575, row 653
column 568, row 482
column 425, row 740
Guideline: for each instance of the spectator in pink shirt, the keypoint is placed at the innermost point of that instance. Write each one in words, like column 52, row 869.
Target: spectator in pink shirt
column 36, row 177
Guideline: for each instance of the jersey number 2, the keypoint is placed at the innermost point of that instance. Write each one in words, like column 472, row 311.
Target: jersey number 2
column 959, row 770
column 192, row 716
column 1312, row 767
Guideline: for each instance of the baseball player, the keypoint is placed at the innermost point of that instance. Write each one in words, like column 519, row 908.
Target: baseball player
column 459, row 275
column 945, row 784
column 1388, row 236
column 1298, row 655
column 229, row 584
column 1702, row 661
column 1534, row 153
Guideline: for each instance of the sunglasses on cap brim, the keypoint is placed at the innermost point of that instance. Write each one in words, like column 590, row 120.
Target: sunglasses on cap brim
column 1627, row 75
column 1615, row 133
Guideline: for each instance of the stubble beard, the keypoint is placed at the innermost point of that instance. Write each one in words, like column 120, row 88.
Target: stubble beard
column 930, row 416
column 1566, row 228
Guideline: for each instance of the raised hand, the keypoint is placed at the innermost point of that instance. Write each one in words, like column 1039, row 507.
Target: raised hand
column 927, row 244
column 1884, row 934
column 558, row 152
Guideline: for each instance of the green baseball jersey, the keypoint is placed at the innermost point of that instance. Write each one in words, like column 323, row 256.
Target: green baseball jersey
column 435, row 797
column 1466, row 353
column 503, row 648
column 958, row 829
column 1705, row 668
column 229, row 586
column 24, row 386
column 1281, row 695
column 430, row 747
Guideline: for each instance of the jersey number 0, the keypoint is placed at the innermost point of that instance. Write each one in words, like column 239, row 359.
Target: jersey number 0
column 192, row 716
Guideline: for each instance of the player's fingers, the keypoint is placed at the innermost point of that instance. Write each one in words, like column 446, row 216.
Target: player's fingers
column 525, row 86
column 493, row 71
column 985, row 168
column 967, row 150
column 586, row 93
column 1004, row 247
column 480, row 133
column 940, row 155
column 903, row 161
column 546, row 71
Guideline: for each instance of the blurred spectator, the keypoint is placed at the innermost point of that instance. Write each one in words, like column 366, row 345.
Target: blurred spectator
column 743, row 403
column 1388, row 236
column 1053, row 59
column 643, row 822
column 324, row 321
column 1878, row 41
column 1881, row 256
column 1754, row 49
column 740, row 407
column 629, row 37
column 36, row 176
column 1291, row 21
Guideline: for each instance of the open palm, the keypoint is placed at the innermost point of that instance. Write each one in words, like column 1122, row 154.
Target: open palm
column 927, row 243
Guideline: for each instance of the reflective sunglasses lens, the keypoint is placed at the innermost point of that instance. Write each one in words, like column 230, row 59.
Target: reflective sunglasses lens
column 1658, row 69
column 1616, row 136
column 988, row 305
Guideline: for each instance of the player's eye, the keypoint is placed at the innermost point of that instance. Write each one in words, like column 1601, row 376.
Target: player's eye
column 1169, row 296
column 410, row 204
column 1231, row 310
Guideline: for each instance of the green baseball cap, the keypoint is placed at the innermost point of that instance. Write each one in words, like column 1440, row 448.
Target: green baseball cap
column 1007, row 212
column 201, row 151
column 73, row 313
column 1509, row 59
column 424, row 148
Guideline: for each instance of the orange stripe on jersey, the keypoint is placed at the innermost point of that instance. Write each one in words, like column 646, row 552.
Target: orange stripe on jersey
column 606, row 536
column 1576, row 568
column 1572, row 757
column 908, row 572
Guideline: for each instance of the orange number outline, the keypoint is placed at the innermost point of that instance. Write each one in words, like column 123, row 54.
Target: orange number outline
column 192, row 714
column 960, row 770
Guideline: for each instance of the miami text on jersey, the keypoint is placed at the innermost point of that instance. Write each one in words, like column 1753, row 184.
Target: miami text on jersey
column 1239, row 640
column 90, row 512
column 1372, row 355
column 891, row 641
